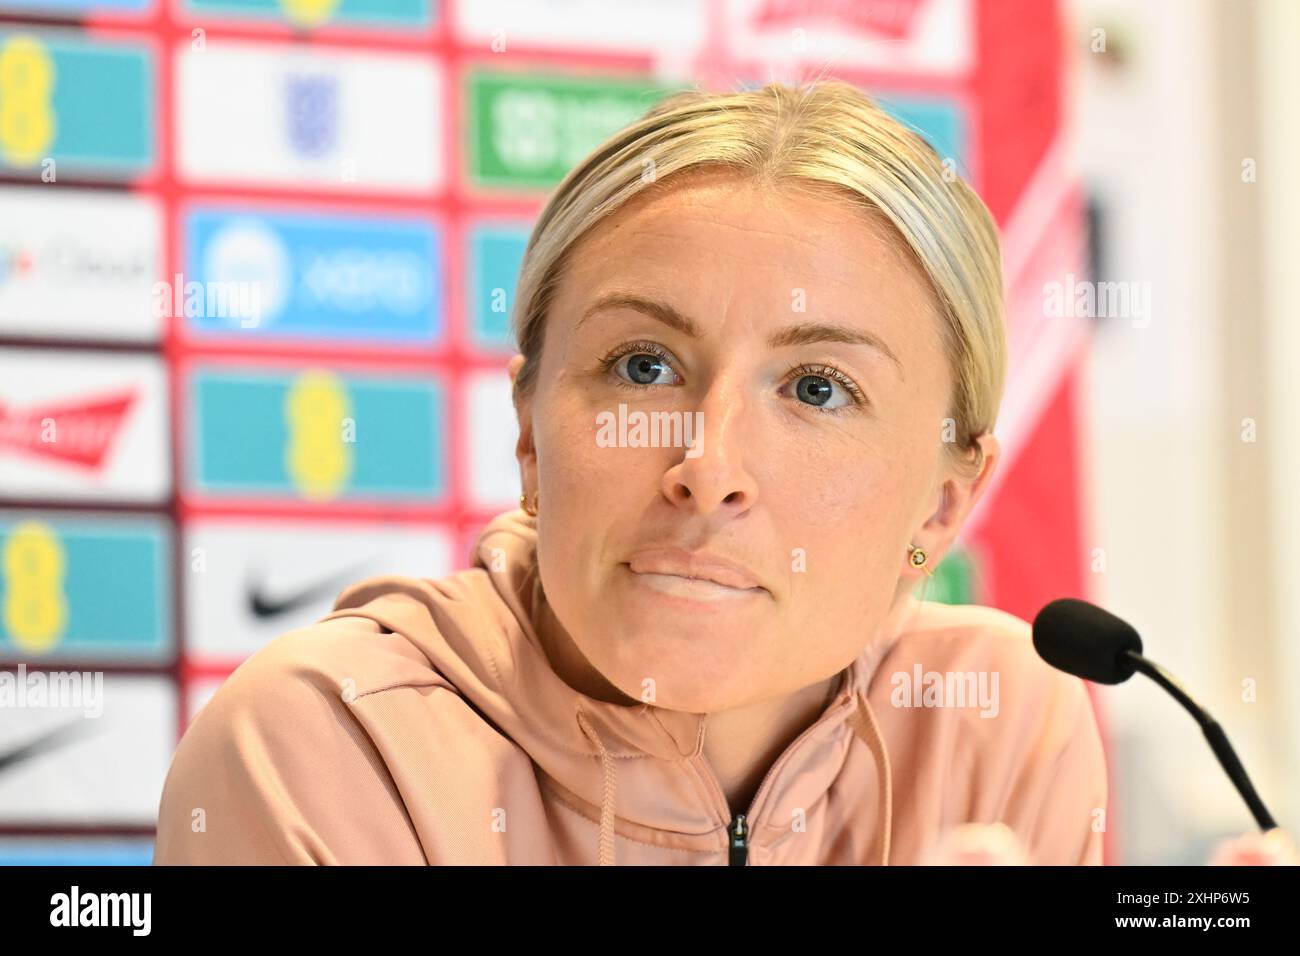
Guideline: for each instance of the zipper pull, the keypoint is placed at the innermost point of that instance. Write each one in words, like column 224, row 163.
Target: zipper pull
column 739, row 841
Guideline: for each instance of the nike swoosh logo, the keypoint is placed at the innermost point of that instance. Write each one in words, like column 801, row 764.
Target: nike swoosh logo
column 263, row 606
column 50, row 740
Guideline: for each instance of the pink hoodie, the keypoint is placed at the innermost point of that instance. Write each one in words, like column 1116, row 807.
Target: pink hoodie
column 420, row 722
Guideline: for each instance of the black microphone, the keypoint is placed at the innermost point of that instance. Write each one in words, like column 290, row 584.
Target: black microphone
column 1086, row 641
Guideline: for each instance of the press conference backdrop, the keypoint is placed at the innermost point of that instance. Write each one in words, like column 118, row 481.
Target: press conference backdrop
column 257, row 259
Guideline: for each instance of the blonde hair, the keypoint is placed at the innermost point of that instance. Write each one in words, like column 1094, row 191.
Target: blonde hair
column 826, row 132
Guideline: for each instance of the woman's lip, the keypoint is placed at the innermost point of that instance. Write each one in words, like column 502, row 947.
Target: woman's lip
column 702, row 565
column 697, row 592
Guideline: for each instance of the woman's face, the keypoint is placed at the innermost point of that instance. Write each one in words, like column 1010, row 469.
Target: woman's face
column 797, row 345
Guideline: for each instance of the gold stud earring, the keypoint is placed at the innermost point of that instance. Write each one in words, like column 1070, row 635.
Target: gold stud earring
column 918, row 557
column 523, row 503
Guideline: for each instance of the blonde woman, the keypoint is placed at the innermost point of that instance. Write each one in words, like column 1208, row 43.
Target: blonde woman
column 761, row 356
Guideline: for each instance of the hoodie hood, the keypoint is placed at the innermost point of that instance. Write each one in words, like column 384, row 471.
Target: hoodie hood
column 638, row 770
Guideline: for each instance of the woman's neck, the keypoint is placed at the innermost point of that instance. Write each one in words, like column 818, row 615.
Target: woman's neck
column 740, row 745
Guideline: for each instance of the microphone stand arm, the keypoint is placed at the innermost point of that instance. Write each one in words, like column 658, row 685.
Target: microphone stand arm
column 1213, row 733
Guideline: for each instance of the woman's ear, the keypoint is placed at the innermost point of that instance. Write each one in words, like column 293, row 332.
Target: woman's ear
column 525, row 449
column 958, row 495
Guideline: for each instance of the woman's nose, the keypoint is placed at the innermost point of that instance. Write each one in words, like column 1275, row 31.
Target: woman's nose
column 713, row 474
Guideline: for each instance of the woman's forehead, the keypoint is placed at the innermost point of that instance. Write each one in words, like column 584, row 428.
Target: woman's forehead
column 818, row 254
column 800, row 231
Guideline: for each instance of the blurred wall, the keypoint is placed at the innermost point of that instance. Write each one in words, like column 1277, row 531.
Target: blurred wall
column 1185, row 128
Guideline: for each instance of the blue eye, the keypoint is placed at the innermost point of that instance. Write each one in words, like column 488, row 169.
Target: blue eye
column 814, row 390
column 642, row 368
column 817, row 387
column 642, row 364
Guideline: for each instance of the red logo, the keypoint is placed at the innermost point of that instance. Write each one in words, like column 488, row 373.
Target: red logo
column 80, row 432
column 889, row 18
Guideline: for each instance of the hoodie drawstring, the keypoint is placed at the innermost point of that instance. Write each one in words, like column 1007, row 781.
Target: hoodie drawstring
column 609, row 781
column 864, row 725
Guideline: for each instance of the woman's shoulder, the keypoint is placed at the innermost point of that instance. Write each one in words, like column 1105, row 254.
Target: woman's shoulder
column 392, row 645
column 390, row 642
column 346, row 657
column 977, row 715
column 970, row 649
column 308, row 750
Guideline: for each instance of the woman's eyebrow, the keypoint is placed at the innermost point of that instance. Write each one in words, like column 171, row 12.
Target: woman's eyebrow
column 659, row 311
column 805, row 333
column 808, row 332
